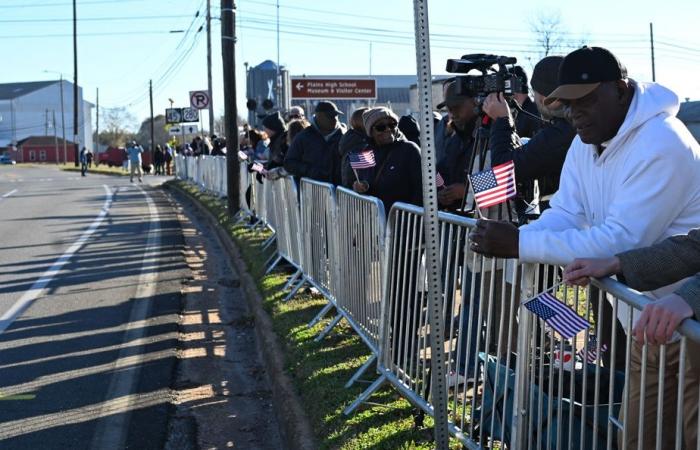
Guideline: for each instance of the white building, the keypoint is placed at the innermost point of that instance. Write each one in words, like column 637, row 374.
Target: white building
column 24, row 106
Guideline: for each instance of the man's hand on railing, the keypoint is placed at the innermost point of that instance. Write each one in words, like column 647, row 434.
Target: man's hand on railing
column 495, row 238
column 581, row 270
column 660, row 319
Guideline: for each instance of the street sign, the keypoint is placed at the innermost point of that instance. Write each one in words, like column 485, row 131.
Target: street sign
column 175, row 131
column 329, row 89
column 190, row 115
column 190, row 129
column 173, row 115
column 200, row 99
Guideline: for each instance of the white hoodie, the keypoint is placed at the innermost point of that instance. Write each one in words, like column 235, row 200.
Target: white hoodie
column 644, row 188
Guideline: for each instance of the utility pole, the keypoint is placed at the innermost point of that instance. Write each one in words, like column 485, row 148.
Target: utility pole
column 46, row 125
column 63, row 126
column 97, row 125
column 209, row 86
column 55, row 137
column 150, row 94
column 228, row 53
column 653, row 66
column 75, row 83
column 278, row 80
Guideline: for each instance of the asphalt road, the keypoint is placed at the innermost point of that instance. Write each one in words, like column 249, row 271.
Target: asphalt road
column 90, row 277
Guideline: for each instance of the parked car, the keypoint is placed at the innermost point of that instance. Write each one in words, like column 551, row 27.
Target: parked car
column 5, row 159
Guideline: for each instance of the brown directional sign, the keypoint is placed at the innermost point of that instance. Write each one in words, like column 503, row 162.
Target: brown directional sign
column 326, row 88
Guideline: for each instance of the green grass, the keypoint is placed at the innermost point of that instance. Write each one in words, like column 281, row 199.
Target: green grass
column 101, row 169
column 320, row 370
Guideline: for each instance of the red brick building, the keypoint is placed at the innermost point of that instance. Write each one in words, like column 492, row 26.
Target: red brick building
column 43, row 149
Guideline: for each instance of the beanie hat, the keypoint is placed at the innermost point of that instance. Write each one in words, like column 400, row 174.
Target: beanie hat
column 275, row 122
column 545, row 74
column 369, row 118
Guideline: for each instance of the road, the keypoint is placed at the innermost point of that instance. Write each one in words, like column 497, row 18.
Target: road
column 90, row 278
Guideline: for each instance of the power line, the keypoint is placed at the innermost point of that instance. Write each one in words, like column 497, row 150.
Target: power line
column 41, row 5
column 93, row 19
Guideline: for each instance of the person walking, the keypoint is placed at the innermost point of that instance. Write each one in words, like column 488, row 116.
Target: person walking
column 134, row 151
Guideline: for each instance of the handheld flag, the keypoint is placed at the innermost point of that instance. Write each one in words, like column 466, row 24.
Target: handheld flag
column 557, row 315
column 242, row 156
column 257, row 167
column 439, row 181
column 590, row 353
column 494, row 185
column 362, row 160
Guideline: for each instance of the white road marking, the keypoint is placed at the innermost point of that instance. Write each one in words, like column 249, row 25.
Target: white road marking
column 112, row 428
column 39, row 285
column 9, row 193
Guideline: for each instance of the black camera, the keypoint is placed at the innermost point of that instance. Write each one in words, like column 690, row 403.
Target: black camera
column 495, row 76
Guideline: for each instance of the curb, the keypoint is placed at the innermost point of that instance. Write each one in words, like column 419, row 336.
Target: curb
column 295, row 427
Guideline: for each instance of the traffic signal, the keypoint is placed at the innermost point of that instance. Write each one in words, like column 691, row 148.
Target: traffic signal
column 268, row 104
column 251, row 104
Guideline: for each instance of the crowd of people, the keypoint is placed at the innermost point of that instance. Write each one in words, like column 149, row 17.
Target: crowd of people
column 605, row 170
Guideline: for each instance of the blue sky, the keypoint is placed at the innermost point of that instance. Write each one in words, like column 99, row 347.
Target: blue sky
column 124, row 43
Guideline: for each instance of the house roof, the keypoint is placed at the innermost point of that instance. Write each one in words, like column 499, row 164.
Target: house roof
column 9, row 91
column 42, row 141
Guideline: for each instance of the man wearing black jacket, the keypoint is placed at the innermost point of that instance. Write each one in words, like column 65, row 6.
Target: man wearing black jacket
column 314, row 152
column 542, row 157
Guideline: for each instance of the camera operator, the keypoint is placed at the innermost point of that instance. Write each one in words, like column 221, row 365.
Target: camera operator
column 541, row 158
column 458, row 147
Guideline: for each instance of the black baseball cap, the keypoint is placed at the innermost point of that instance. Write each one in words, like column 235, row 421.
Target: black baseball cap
column 327, row 107
column 452, row 98
column 582, row 71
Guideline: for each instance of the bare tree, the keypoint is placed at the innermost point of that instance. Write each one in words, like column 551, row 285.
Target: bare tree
column 118, row 126
column 547, row 27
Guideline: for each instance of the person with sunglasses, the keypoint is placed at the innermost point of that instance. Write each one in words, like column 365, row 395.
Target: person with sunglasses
column 396, row 177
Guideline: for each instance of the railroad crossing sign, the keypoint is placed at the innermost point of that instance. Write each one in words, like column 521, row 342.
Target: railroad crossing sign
column 190, row 115
column 173, row 115
column 200, row 99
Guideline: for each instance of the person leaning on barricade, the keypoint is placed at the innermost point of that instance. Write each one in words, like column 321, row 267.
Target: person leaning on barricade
column 276, row 130
column 629, row 180
column 542, row 157
column 673, row 259
column 314, row 152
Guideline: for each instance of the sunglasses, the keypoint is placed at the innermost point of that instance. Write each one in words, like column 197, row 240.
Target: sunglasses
column 382, row 127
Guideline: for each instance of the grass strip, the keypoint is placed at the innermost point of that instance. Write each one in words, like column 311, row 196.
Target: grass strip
column 319, row 370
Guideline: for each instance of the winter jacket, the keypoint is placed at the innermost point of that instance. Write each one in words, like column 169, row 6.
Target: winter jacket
column 442, row 134
column 354, row 141
column 278, row 150
column 409, row 127
column 397, row 176
column 541, row 158
column 454, row 165
column 664, row 263
column 525, row 125
column 643, row 188
column 314, row 156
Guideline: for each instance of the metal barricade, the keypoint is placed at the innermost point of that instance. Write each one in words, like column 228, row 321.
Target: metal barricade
column 285, row 208
column 613, row 392
column 479, row 308
column 319, row 244
column 244, row 182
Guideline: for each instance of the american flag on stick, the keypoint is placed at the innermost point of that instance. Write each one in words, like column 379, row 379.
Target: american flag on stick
column 590, row 353
column 494, row 186
column 439, row 181
column 557, row 315
column 362, row 160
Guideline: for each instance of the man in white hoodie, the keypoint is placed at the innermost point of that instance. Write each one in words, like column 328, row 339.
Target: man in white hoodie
column 631, row 179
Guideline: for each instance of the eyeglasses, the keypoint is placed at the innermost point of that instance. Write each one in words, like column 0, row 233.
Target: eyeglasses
column 382, row 127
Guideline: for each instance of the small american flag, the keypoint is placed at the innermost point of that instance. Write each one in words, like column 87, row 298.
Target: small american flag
column 557, row 315
column 242, row 156
column 257, row 167
column 362, row 160
column 439, row 181
column 495, row 185
column 590, row 353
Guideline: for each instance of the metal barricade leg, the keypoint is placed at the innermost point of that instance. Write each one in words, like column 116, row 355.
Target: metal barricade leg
column 356, row 376
column 292, row 280
column 329, row 327
column 320, row 315
column 374, row 387
column 296, row 289
column 268, row 242
column 272, row 266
